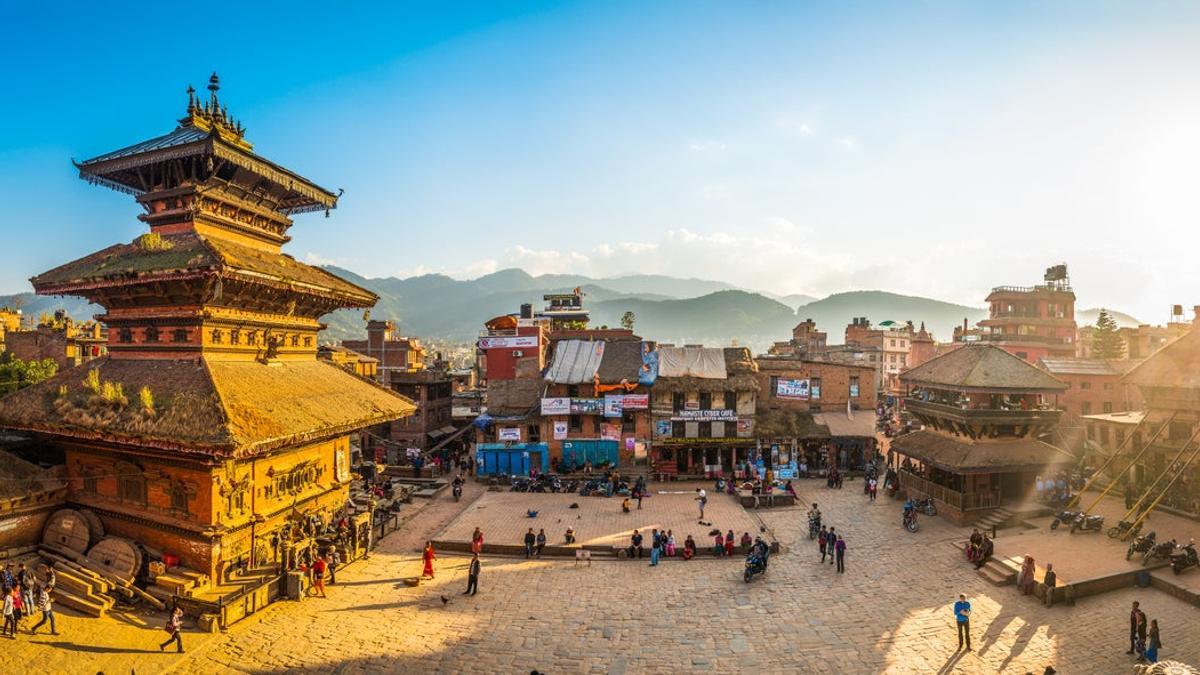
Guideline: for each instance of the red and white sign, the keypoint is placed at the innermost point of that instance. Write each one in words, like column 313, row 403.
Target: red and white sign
column 514, row 342
column 636, row 401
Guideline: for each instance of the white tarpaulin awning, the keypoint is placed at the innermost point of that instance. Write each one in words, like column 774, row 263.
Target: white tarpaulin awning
column 840, row 424
column 703, row 362
column 575, row 362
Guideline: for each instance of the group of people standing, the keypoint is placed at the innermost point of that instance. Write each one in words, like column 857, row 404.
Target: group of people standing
column 829, row 542
column 24, row 593
column 1144, row 638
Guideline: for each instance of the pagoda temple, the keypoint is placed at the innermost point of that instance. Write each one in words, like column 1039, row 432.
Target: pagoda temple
column 210, row 431
column 984, row 412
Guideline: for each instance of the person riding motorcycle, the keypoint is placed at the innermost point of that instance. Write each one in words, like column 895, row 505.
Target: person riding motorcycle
column 814, row 515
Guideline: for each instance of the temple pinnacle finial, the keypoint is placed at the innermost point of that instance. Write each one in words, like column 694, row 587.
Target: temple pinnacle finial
column 191, row 92
column 214, row 84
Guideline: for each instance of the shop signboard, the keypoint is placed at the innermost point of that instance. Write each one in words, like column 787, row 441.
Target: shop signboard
column 793, row 389
column 610, row 432
column 560, row 431
column 509, row 433
column 587, row 406
column 853, row 390
column 556, row 406
column 636, row 401
column 706, row 415
column 511, row 342
column 614, row 405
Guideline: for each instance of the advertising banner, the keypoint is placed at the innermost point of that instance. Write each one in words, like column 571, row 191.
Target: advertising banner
column 610, row 432
column 630, row 442
column 662, row 428
column 794, row 389
column 512, row 342
column 744, row 426
column 636, row 401
column 853, row 390
column 556, row 406
column 704, row 415
column 649, row 371
column 560, row 431
column 614, row 405
column 587, row 406
column 509, row 433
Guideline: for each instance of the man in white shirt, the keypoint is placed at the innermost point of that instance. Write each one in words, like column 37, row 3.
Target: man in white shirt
column 702, row 499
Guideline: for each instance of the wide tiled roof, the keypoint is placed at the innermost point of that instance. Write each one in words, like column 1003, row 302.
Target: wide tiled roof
column 982, row 368
column 1177, row 365
column 221, row 408
column 192, row 254
column 1082, row 366
column 180, row 136
column 962, row 456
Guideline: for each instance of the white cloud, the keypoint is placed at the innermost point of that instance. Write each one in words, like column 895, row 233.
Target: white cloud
column 313, row 258
column 848, row 143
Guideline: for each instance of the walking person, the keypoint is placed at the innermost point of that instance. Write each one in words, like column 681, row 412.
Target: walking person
column 44, row 604
column 840, row 548
column 473, row 575
column 1152, row 647
column 428, row 557
column 1137, row 627
column 28, row 581
column 530, row 541
column 670, row 544
column 477, row 541
column 541, row 542
column 10, row 619
column 701, row 499
column 830, row 543
column 334, row 560
column 655, row 547
column 874, row 489
column 174, row 628
column 962, row 616
column 822, row 541
column 637, row 494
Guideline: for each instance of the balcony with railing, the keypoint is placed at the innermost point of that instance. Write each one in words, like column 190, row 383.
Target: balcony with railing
column 916, row 486
column 1017, row 416
column 1040, row 288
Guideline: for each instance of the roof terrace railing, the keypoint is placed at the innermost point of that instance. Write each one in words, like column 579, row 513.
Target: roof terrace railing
column 1031, row 289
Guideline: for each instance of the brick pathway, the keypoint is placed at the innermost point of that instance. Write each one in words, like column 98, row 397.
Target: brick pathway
column 889, row 613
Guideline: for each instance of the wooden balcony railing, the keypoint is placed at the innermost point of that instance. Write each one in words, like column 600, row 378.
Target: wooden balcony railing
column 969, row 501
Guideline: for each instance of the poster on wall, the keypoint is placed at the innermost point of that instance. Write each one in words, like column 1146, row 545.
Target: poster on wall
column 636, row 401
column 745, row 426
column 509, row 433
column 629, row 443
column 556, row 406
column 662, row 428
column 794, row 389
column 614, row 405
column 560, row 431
column 610, row 432
column 853, row 390
column 587, row 406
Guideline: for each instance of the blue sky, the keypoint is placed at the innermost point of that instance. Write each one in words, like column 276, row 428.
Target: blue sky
column 938, row 148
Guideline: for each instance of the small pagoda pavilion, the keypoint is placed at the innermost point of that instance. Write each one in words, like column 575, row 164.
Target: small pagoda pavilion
column 210, row 432
column 984, row 413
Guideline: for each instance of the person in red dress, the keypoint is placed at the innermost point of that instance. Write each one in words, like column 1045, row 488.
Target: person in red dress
column 428, row 557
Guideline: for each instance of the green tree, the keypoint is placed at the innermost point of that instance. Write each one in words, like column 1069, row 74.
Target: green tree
column 16, row 374
column 1106, row 342
column 627, row 320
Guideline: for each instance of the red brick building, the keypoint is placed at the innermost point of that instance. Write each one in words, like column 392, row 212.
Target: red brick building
column 1033, row 322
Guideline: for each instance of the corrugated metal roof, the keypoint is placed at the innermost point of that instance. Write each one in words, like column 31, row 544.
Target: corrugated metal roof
column 840, row 424
column 1079, row 367
column 575, row 362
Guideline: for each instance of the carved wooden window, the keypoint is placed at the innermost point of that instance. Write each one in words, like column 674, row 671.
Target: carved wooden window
column 308, row 341
column 179, row 497
column 131, row 483
column 251, row 338
column 180, row 335
column 295, row 340
column 151, row 334
column 235, row 337
column 216, row 337
column 125, row 335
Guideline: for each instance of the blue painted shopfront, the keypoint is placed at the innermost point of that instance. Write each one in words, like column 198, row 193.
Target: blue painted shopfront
column 511, row 459
column 575, row 453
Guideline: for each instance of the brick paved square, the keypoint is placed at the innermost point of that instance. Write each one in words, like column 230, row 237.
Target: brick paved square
column 599, row 521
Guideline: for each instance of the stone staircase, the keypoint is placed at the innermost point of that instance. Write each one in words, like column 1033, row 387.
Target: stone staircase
column 998, row 518
column 1000, row 571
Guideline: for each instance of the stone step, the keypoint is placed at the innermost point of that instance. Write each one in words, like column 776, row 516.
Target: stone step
column 998, row 572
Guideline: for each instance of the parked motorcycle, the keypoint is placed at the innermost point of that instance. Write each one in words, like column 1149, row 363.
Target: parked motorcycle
column 910, row 521
column 1086, row 523
column 1064, row 517
column 1120, row 529
column 927, row 506
column 1184, row 558
column 1140, row 545
column 1160, row 551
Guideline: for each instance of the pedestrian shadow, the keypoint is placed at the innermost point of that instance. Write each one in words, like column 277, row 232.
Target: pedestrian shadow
column 368, row 582
column 93, row 649
column 948, row 666
column 383, row 605
column 1020, row 642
